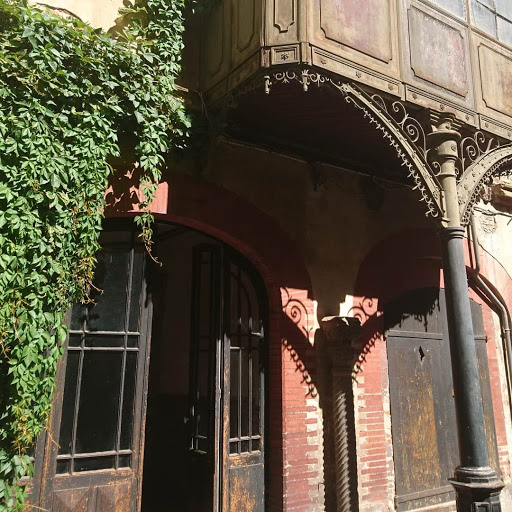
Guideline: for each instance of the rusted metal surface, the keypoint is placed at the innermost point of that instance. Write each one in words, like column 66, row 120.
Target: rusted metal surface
column 422, row 409
column 246, row 488
column 495, row 71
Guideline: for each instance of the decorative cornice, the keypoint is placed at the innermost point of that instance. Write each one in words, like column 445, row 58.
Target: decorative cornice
column 495, row 162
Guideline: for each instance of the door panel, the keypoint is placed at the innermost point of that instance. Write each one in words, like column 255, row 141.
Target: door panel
column 228, row 346
column 205, row 372
column 92, row 452
column 424, row 430
column 244, row 341
column 92, row 458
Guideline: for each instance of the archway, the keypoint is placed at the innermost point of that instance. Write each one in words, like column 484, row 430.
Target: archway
column 205, row 435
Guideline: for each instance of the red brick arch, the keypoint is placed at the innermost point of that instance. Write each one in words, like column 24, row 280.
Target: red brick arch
column 222, row 214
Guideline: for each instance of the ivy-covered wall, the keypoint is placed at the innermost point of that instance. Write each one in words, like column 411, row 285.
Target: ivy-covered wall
column 70, row 97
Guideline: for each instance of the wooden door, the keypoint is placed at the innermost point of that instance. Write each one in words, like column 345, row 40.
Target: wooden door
column 227, row 380
column 425, row 447
column 92, row 457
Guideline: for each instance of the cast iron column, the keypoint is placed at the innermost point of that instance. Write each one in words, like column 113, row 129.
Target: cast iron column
column 476, row 484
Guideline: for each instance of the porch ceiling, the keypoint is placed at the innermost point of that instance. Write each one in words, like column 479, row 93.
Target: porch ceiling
column 317, row 125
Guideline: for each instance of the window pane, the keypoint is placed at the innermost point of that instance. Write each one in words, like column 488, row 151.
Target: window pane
column 203, row 388
column 77, row 317
column 233, row 394
column 94, row 464
column 504, row 7
column 68, row 403
column 128, row 399
column 246, row 377
column 235, row 306
column 132, row 342
column 256, row 380
column 99, row 402
column 483, row 18
column 111, row 276
column 505, row 31
column 104, row 341
column 205, row 296
column 457, row 7
column 125, row 461
column 63, row 466
column 75, row 340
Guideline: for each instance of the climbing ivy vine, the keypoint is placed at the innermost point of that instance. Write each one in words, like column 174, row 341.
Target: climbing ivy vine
column 70, row 98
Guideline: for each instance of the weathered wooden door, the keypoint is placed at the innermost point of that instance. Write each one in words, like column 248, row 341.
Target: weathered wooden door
column 227, row 380
column 91, row 460
column 93, row 447
column 423, row 422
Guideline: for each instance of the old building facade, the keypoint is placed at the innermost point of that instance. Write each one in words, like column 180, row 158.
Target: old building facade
column 292, row 353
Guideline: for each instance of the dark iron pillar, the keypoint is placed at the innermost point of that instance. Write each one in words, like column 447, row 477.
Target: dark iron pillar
column 476, row 484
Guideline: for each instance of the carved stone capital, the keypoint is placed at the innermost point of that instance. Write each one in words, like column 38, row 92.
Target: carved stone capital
column 339, row 333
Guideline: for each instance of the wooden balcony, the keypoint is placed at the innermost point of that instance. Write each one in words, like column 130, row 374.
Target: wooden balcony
column 413, row 50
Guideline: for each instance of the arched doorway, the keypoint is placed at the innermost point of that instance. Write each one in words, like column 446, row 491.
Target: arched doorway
column 200, row 319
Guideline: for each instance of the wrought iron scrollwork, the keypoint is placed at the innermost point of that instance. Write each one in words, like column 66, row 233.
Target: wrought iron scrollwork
column 297, row 312
column 364, row 309
column 495, row 162
column 403, row 132
column 409, row 124
column 403, row 135
column 472, row 147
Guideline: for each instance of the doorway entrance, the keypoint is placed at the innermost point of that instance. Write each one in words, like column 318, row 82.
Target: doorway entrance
column 205, row 423
column 160, row 401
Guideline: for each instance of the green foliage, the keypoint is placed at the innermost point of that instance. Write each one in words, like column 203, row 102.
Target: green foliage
column 68, row 95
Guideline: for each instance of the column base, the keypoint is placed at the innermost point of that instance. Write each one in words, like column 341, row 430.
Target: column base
column 477, row 489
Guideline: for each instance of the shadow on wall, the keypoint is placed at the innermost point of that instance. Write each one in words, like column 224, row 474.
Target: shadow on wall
column 330, row 368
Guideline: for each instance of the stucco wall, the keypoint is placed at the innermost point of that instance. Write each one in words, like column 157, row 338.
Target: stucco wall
column 101, row 13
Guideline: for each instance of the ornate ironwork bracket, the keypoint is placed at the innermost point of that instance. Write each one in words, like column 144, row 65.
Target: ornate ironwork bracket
column 497, row 161
column 406, row 135
column 402, row 131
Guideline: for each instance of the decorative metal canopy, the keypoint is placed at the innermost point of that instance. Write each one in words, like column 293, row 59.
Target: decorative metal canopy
column 480, row 156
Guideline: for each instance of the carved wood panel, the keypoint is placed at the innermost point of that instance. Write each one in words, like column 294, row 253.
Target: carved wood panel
column 364, row 25
column 363, row 33
column 493, row 76
column 436, row 56
column 247, row 30
column 281, row 22
column 433, row 41
column 71, row 500
column 215, row 44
